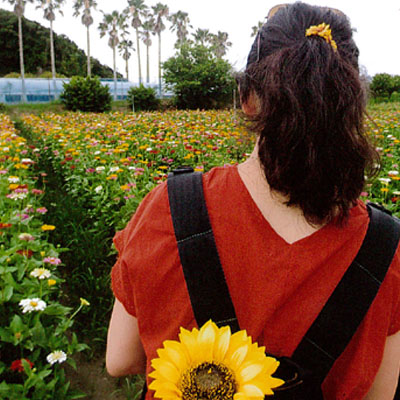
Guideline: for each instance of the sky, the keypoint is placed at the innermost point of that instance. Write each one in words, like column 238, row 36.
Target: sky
column 376, row 25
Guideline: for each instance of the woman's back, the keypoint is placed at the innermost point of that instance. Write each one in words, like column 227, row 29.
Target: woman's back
column 277, row 288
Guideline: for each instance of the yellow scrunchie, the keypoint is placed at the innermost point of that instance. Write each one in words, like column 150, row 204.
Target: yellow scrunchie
column 323, row 30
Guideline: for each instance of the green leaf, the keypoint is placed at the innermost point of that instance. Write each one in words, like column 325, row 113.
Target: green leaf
column 7, row 293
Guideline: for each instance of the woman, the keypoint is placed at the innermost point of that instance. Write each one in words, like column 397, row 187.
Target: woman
column 287, row 221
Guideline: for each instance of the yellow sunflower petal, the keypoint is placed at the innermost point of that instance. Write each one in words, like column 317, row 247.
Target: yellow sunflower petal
column 238, row 357
column 222, row 343
column 190, row 342
column 176, row 353
column 206, row 340
column 252, row 391
column 250, row 371
column 165, row 390
column 166, row 369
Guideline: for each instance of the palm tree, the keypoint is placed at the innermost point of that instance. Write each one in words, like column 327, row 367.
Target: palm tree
column 124, row 48
column 49, row 6
column 202, row 36
column 111, row 24
column 255, row 29
column 19, row 9
column 220, row 43
column 148, row 29
column 180, row 22
column 87, row 20
column 160, row 11
column 136, row 9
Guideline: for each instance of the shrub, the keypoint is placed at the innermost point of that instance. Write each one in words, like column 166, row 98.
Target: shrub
column 143, row 98
column 382, row 85
column 395, row 97
column 86, row 94
column 198, row 78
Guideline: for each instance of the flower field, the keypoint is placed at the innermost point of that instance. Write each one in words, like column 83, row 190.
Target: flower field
column 67, row 183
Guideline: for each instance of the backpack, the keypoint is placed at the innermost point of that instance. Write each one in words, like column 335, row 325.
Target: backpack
column 337, row 322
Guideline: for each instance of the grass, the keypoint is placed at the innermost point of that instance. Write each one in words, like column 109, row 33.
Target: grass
column 16, row 110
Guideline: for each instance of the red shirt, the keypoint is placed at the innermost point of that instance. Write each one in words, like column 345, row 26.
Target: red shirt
column 278, row 289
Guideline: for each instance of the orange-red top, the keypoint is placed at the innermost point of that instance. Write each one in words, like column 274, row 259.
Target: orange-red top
column 277, row 288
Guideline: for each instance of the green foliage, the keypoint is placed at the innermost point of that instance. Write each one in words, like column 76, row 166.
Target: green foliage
column 198, row 78
column 143, row 98
column 34, row 322
column 395, row 97
column 45, row 74
column 383, row 85
column 70, row 60
column 86, row 94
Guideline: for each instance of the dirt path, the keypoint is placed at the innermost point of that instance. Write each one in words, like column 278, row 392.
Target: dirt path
column 92, row 379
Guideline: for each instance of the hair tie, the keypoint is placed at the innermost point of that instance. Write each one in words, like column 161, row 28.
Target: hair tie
column 324, row 31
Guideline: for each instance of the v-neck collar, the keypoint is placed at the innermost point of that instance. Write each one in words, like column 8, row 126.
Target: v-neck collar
column 257, row 213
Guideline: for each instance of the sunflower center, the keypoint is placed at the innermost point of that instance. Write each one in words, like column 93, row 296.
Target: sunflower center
column 208, row 381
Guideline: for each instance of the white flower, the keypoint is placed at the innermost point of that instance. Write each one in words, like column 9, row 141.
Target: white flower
column 16, row 196
column 393, row 173
column 29, row 305
column 57, row 356
column 5, row 149
column 13, row 179
column 131, row 168
column 98, row 189
column 149, row 149
column 114, row 169
column 385, row 180
column 26, row 236
column 98, row 169
column 97, row 152
column 27, row 161
column 41, row 273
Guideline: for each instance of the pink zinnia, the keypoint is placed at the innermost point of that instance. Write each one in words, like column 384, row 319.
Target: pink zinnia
column 52, row 260
column 37, row 191
column 41, row 210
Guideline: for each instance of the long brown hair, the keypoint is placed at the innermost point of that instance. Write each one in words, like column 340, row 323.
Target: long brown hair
column 312, row 143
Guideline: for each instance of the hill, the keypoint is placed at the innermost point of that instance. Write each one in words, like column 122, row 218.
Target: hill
column 70, row 59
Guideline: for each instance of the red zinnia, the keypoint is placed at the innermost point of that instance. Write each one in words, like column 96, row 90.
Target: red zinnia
column 17, row 365
column 2, row 225
column 27, row 253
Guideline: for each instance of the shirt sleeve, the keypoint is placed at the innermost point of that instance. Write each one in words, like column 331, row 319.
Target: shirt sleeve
column 132, row 244
column 394, row 272
column 120, row 278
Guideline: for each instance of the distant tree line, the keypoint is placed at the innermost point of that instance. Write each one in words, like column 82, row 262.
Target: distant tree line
column 385, row 87
column 70, row 59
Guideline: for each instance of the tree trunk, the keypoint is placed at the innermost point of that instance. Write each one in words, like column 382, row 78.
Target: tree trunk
column 127, row 69
column 115, row 74
column 147, row 64
column 159, row 63
column 21, row 59
column 53, row 62
column 88, row 53
column 138, row 55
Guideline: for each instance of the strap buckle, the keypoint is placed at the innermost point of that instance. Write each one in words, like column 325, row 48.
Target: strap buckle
column 184, row 169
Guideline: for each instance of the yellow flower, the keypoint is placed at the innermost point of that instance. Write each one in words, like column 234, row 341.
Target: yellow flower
column 48, row 227
column 323, row 30
column 84, row 302
column 211, row 363
column 51, row 282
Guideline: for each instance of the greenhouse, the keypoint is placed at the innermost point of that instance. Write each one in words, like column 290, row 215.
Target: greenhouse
column 42, row 90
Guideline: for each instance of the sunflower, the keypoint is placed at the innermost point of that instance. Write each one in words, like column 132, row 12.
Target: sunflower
column 211, row 363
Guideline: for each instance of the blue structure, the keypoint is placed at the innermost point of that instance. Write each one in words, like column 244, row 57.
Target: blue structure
column 41, row 90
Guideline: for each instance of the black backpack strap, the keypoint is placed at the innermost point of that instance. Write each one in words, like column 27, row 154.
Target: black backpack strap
column 204, row 276
column 346, row 308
